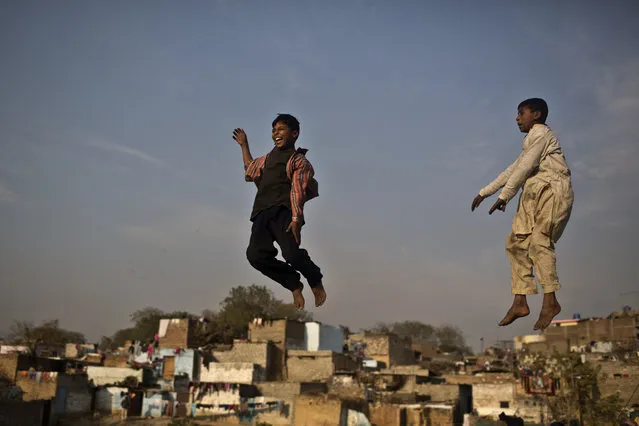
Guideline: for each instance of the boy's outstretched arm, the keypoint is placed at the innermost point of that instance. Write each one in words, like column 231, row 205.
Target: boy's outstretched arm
column 494, row 186
column 526, row 164
column 240, row 137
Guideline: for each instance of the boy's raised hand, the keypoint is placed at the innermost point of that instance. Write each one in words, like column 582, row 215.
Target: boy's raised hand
column 499, row 205
column 476, row 202
column 240, row 137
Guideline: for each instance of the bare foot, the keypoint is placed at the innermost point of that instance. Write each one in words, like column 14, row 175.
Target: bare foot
column 320, row 295
column 519, row 309
column 549, row 310
column 298, row 299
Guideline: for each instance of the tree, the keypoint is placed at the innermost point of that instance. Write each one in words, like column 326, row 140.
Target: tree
column 578, row 396
column 49, row 332
column 245, row 303
column 451, row 339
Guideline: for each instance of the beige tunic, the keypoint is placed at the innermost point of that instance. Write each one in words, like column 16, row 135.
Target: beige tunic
column 540, row 165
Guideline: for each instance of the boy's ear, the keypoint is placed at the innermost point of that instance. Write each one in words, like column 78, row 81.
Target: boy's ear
column 536, row 115
column 296, row 134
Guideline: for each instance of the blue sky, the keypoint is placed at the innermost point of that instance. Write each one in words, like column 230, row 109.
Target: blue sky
column 121, row 187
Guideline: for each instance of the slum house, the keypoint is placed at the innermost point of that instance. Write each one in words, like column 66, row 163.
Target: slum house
column 262, row 354
column 424, row 351
column 175, row 365
column 619, row 378
column 280, row 400
column 79, row 350
column 494, row 393
column 387, row 349
column 284, row 334
column 318, row 366
column 621, row 327
column 312, row 410
column 71, row 393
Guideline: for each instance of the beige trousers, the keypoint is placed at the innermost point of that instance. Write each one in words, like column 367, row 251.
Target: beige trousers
column 540, row 220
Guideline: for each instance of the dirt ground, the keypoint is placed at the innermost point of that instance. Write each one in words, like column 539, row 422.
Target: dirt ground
column 115, row 420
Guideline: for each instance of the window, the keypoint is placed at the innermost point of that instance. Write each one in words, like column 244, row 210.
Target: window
column 504, row 404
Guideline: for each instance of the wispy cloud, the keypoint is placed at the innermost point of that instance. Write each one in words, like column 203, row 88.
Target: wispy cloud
column 122, row 149
column 190, row 223
column 7, row 196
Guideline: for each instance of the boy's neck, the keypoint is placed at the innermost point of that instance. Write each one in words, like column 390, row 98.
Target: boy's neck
column 287, row 147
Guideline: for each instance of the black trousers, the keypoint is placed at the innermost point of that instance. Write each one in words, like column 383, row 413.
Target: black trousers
column 270, row 226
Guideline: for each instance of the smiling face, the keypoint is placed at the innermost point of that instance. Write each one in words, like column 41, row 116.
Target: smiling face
column 283, row 137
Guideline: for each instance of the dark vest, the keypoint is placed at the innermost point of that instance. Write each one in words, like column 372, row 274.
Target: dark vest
column 274, row 188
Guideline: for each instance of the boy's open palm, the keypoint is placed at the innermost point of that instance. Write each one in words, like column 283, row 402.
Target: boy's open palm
column 240, row 136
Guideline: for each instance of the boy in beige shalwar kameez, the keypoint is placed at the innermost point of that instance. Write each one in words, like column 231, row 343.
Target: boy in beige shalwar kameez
column 543, row 212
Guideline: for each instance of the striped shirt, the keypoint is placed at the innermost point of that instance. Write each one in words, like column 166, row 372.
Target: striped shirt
column 299, row 171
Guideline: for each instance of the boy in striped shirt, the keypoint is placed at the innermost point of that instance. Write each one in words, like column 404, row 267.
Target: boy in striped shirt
column 284, row 180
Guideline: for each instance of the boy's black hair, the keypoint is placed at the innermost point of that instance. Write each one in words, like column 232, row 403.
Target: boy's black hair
column 536, row 105
column 290, row 121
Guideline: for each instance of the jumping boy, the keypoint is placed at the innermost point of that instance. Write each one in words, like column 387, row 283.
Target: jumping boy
column 284, row 180
column 543, row 212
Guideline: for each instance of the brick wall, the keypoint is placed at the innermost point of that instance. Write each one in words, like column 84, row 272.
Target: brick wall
column 438, row 393
column 176, row 333
column 254, row 353
column 376, row 344
column 119, row 361
column 314, row 366
column 624, row 383
column 279, row 389
column 439, row 416
column 293, row 333
column 309, row 368
column 615, row 329
column 487, row 398
column 314, row 411
column 9, row 366
column 385, row 415
column 274, row 331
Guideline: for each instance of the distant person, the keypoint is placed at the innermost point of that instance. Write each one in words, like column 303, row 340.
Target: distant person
column 284, row 180
column 126, row 405
column 544, row 208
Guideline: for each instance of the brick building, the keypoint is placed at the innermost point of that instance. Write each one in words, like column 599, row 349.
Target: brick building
column 317, row 366
column 387, row 349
